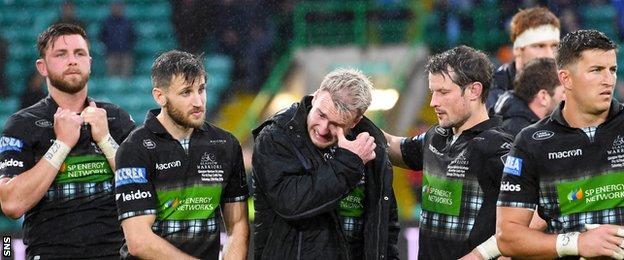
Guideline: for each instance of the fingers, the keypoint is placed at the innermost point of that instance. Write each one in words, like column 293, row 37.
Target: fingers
column 339, row 132
column 92, row 104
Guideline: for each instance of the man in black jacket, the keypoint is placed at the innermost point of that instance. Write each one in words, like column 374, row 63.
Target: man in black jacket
column 535, row 34
column 323, row 180
column 537, row 91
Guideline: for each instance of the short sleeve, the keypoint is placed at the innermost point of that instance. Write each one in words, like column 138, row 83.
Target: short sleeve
column 16, row 151
column 412, row 151
column 134, row 192
column 520, row 183
column 236, row 189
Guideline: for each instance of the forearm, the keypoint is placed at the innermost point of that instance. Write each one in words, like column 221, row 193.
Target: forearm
column 151, row 246
column 24, row 191
column 521, row 241
column 237, row 243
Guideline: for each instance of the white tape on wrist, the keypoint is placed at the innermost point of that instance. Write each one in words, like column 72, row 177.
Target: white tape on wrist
column 567, row 244
column 109, row 146
column 489, row 249
column 57, row 153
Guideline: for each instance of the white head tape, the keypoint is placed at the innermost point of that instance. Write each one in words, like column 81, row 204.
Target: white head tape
column 536, row 34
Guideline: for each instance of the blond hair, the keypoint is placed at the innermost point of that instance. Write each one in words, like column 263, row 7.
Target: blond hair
column 350, row 90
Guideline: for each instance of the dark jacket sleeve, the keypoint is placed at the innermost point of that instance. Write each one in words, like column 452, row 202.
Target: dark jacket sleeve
column 294, row 187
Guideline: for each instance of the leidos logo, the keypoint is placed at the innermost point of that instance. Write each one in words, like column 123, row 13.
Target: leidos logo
column 11, row 163
column 505, row 186
column 134, row 195
column 575, row 194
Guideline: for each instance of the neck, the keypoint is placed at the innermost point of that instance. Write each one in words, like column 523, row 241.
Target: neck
column 578, row 118
column 538, row 110
column 177, row 131
column 74, row 102
column 478, row 115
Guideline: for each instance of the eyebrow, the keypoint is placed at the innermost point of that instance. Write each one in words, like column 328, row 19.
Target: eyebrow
column 331, row 121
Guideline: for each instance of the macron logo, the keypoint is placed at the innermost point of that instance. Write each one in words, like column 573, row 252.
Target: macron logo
column 166, row 166
column 125, row 176
column 565, row 154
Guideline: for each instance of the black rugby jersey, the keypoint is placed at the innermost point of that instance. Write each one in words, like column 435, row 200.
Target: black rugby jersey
column 76, row 218
column 156, row 176
column 460, row 186
column 574, row 177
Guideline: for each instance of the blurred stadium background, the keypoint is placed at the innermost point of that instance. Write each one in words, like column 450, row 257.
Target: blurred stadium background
column 262, row 55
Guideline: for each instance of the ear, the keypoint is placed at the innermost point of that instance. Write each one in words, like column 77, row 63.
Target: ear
column 474, row 91
column 41, row 67
column 542, row 97
column 565, row 78
column 159, row 96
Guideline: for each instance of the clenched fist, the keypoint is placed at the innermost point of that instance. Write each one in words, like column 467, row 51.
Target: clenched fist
column 67, row 126
column 97, row 118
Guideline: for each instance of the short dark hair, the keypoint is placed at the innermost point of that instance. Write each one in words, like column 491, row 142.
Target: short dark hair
column 173, row 63
column 54, row 32
column 538, row 74
column 467, row 64
column 573, row 44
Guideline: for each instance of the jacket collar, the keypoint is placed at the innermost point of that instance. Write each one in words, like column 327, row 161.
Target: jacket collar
column 614, row 110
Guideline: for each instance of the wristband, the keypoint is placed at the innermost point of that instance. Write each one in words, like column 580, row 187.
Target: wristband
column 108, row 146
column 57, row 153
column 567, row 244
column 489, row 249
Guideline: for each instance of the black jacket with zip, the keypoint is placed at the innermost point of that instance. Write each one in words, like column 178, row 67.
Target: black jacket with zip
column 298, row 188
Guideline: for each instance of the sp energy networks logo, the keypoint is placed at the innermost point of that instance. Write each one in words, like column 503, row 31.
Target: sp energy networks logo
column 125, row 176
column 605, row 191
column 575, row 194
column 10, row 144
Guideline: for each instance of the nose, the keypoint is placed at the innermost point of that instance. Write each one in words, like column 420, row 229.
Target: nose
column 72, row 60
column 550, row 52
column 609, row 78
column 198, row 99
column 323, row 127
column 434, row 101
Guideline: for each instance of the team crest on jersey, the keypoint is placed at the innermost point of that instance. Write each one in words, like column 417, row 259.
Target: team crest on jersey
column 513, row 166
column 209, row 168
column 459, row 166
column 615, row 154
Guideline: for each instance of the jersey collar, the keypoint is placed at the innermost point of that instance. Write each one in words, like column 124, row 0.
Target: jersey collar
column 52, row 106
column 614, row 110
column 152, row 123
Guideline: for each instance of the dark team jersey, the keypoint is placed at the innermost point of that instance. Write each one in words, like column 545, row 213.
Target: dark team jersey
column 157, row 176
column 575, row 176
column 460, row 186
column 76, row 218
